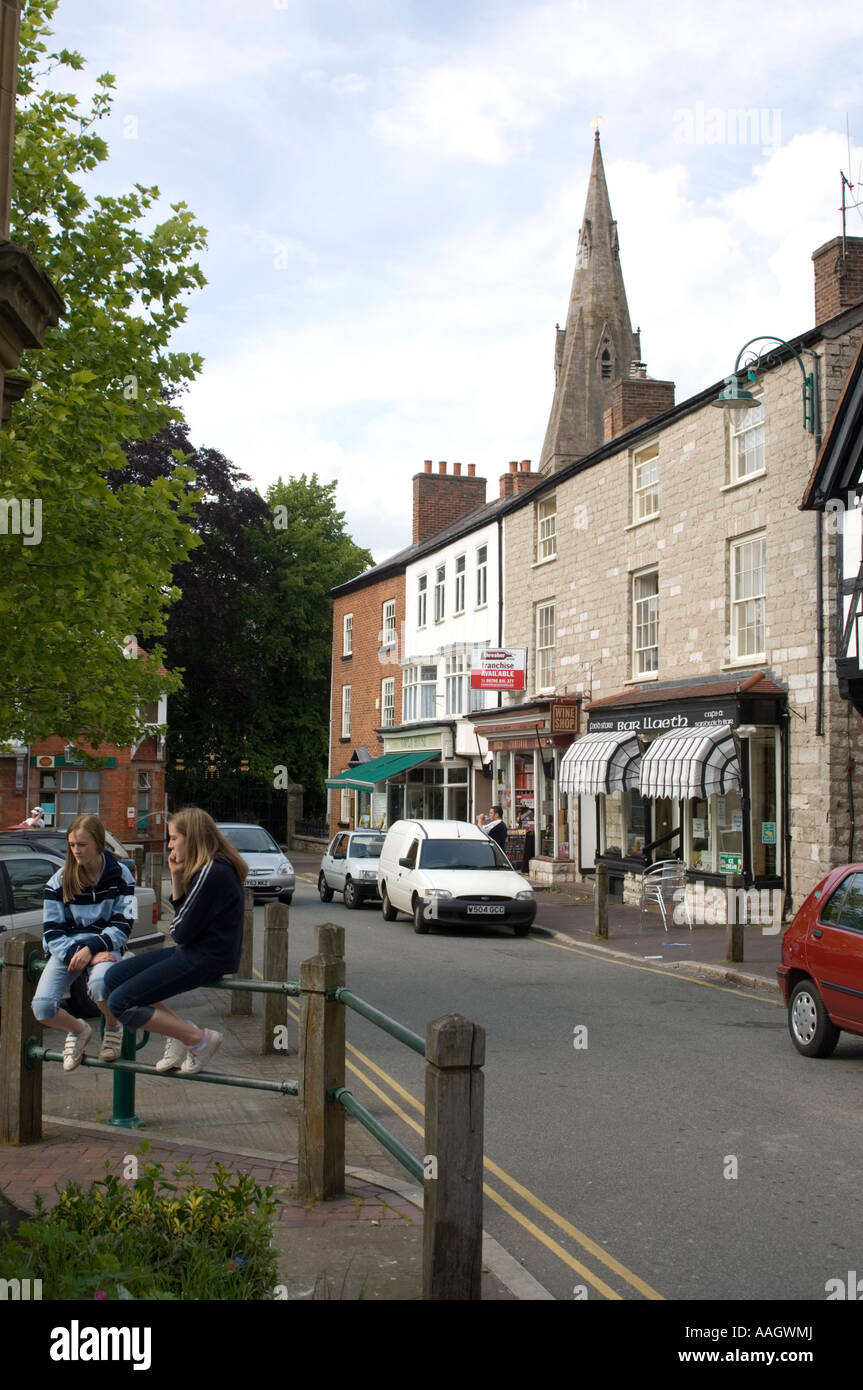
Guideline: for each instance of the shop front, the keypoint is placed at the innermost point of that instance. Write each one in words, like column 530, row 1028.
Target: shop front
column 527, row 743
column 694, row 772
column 371, row 788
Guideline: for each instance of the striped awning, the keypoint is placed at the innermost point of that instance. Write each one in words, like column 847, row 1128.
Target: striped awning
column 699, row 761
column 601, row 762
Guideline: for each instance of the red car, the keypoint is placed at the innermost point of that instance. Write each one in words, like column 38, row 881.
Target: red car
column 821, row 975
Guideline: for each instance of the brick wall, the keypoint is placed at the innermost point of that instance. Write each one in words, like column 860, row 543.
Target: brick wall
column 364, row 671
column 118, row 789
column 634, row 401
column 838, row 278
column 440, row 498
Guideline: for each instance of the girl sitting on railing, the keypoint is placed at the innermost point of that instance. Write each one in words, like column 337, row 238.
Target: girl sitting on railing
column 207, row 876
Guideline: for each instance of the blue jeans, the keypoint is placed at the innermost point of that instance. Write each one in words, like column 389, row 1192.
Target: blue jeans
column 139, row 982
column 55, row 980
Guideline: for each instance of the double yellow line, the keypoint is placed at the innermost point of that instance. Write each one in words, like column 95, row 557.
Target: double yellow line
column 579, row 1238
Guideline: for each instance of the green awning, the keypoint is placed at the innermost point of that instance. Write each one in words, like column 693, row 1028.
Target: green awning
column 366, row 776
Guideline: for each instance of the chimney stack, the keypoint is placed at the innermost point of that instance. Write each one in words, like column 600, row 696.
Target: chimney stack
column 518, row 479
column 441, row 498
column 838, row 276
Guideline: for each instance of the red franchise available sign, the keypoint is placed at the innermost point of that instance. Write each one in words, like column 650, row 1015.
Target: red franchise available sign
column 498, row 668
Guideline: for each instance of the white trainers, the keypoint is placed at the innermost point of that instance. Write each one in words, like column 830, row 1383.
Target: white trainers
column 112, row 1043
column 198, row 1057
column 73, row 1047
column 173, row 1055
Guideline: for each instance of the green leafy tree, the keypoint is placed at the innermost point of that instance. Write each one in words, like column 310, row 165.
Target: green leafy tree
column 102, row 565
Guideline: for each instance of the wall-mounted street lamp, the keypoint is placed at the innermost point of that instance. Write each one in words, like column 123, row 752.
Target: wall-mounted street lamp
column 737, row 397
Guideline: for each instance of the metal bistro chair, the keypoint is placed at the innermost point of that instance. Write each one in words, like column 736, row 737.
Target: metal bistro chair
column 664, row 883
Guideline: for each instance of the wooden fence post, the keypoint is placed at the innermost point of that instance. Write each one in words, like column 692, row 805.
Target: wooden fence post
column 275, row 1012
column 241, row 999
column 600, row 902
column 20, row 1085
column 452, row 1230
column 321, row 1138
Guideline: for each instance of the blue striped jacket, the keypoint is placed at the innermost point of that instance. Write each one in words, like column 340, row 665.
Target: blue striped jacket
column 101, row 917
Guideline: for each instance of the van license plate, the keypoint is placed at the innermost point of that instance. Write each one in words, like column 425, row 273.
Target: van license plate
column 486, row 909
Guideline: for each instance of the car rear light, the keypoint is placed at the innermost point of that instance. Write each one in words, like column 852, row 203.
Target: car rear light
column 155, row 914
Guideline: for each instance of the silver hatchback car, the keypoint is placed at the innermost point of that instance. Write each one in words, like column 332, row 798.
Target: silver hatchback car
column 350, row 866
column 271, row 873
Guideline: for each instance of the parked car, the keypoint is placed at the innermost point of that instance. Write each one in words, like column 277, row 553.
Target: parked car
column 53, row 840
column 451, row 872
column 350, row 866
column 22, row 886
column 271, row 873
column 821, row 975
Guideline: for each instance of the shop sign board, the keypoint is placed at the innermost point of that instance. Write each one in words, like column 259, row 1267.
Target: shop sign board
column 564, row 717
column 498, row 668
column 731, row 863
column 660, row 721
column 768, row 832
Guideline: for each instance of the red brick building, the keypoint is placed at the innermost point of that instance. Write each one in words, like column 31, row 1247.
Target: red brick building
column 126, row 789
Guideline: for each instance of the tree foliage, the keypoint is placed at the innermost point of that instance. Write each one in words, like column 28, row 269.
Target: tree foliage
column 103, row 566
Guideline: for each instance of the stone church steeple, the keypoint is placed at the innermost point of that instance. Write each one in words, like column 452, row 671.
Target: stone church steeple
column 598, row 348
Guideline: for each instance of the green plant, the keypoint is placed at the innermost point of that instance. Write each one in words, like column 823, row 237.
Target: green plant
column 151, row 1239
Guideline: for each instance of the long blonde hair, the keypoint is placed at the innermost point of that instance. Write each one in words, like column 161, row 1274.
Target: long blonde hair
column 72, row 879
column 204, row 841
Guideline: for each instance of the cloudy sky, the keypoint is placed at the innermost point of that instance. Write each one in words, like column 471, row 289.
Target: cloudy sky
column 393, row 191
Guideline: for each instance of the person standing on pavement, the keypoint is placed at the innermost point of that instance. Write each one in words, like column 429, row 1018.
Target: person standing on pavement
column 495, row 828
column 88, row 917
column 207, row 877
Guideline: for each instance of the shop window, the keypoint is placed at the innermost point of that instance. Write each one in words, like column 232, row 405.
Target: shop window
column 545, row 645
column 546, row 528
column 422, row 596
column 645, row 482
column 388, row 702
column 388, row 630
column 747, row 442
column 645, row 623
column 79, row 795
column 346, row 711
column 459, row 583
column 348, row 635
column 482, row 576
column 748, row 591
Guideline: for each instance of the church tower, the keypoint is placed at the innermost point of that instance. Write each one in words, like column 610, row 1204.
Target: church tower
column 598, row 349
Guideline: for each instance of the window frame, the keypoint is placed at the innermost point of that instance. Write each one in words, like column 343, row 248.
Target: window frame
column 640, row 671
column 456, row 680
column 546, row 535
column 545, row 677
column 440, row 593
column 348, row 634
column 388, row 687
column 482, row 576
column 642, row 491
column 422, row 600
column 460, row 579
column 388, row 623
column 346, row 712
column 741, row 426
column 736, row 604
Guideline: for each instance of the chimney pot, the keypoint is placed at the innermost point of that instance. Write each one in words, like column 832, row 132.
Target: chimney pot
column 525, row 465
column 513, row 467
column 471, row 470
column 441, row 468
column 456, row 470
column 427, row 466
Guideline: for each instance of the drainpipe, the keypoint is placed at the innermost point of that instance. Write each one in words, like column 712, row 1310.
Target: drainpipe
column 500, row 595
column 819, row 560
column 786, row 807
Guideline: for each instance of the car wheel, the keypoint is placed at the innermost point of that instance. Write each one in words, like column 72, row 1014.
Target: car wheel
column 522, row 929
column 324, row 891
column 286, row 898
column 80, row 1003
column 420, row 920
column 387, row 908
column 353, row 896
column 812, row 1032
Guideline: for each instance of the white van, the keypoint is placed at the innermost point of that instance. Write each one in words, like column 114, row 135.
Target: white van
column 450, row 871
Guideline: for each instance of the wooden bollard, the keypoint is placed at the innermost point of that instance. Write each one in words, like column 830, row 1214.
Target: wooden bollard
column 321, row 1138
column 20, row 1085
column 241, row 999
column 274, row 1023
column 153, row 878
column 733, row 929
column 600, row 901
column 452, row 1230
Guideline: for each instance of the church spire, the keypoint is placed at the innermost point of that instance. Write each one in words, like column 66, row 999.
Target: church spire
column 597, row 348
